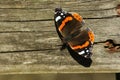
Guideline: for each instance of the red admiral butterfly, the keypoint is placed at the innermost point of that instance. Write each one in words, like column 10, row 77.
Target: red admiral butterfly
column 77, row 40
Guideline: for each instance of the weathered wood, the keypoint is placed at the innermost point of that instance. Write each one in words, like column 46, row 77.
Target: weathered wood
column 27, row 26
column 60, row 76
column 105, row 28
column 29, row 42
column 33, row 14
column 35, row 10
column 17, row 14
column 51, row 4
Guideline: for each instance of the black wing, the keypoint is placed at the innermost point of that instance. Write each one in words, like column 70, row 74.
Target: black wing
column 86, row 62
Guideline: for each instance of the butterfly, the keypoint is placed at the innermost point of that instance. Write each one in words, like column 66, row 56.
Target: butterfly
column 77, row 39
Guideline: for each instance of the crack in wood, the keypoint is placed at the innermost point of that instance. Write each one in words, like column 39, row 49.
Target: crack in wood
column 26, row 20
column 96, row 9
column 106, row 17
column 24, row 31
column 24, row 8
column 21, row 51
column 62, row 7
column 96, row 1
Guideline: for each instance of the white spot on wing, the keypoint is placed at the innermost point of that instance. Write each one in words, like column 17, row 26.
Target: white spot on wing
column 82, row 52
column 61, row 14
column 87, row 50
column 57, row 18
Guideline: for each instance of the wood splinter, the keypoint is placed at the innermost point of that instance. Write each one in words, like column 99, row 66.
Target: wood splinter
column 110, row 45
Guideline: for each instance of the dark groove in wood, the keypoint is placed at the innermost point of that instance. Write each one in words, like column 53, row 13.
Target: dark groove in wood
column 25, row 8
column 100, row 1
column 107, row 17
column 96, row 9
column 96, row 1
column 21, row 51
column 51, row 9
column 26, row 20
column 24, row 31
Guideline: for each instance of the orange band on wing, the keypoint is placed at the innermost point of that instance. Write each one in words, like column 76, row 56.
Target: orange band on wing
column 64, row 21
column 80, row 46
column 77, row 17
column 86, row 44
column 91, row 36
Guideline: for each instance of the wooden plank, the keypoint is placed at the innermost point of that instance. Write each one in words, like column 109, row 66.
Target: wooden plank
column 42, row 62
column 28, row 40
column 6, row 27
column 36, row 58
column 49, row 4
column 70, row 76
column 12, row 14
column 31, row 14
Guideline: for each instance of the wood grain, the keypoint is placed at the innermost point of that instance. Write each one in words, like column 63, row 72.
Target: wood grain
column 29, row 42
